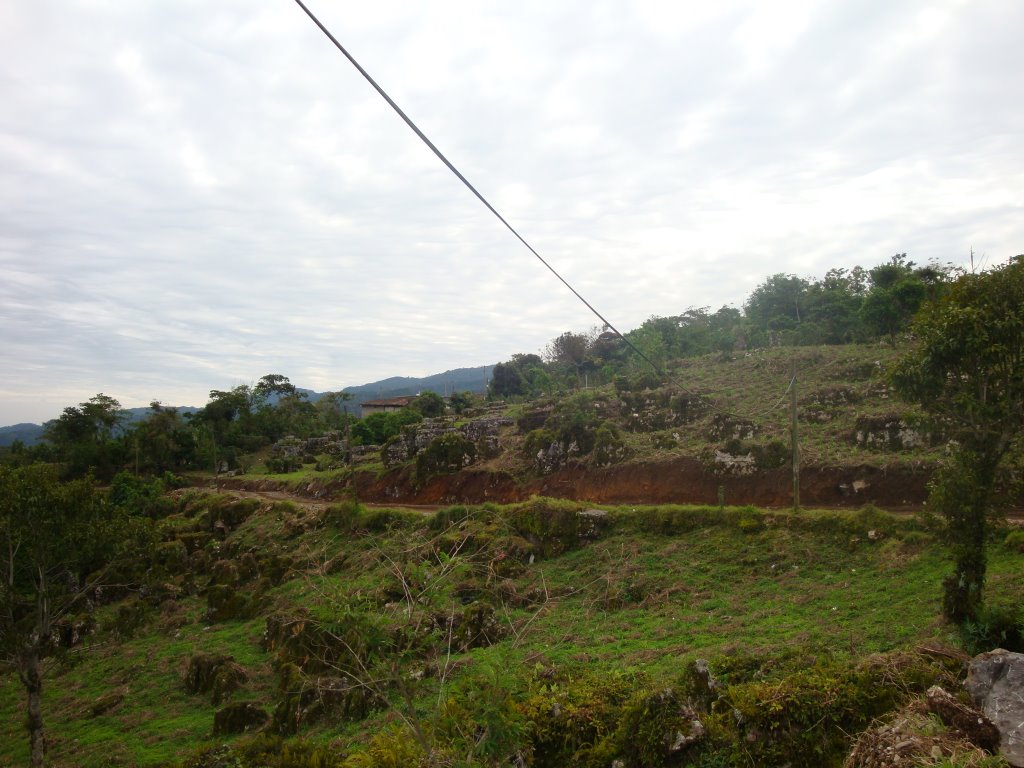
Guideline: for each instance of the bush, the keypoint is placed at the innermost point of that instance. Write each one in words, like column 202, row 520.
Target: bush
column 1014, row 541
column 609, row 447
column 282, row 465
column 537, row 440
column 346, row 516
column 448, row 453
column 994, row 627
column 552, row 525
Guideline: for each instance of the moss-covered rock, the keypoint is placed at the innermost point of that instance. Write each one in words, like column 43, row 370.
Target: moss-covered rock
column 239, row 718
column 226, row 603
column 609, row 446
column 216, row 674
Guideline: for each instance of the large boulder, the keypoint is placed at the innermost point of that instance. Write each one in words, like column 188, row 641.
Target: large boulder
column 995, row 680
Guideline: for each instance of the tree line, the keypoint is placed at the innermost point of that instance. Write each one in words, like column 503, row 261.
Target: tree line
column 845, row 306
column 97, row 438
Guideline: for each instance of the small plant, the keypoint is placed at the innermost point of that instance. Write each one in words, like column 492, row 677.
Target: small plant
column 1014, row 541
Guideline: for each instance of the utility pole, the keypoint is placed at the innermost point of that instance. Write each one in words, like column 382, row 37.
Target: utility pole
column 796, row 443
column 348, row 437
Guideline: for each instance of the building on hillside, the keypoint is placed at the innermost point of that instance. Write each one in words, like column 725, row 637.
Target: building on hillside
column 387, row 405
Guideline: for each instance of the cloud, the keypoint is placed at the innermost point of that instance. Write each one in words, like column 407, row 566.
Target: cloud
column 192, row 196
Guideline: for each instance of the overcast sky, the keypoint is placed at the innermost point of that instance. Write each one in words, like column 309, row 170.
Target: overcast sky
column 194, row 194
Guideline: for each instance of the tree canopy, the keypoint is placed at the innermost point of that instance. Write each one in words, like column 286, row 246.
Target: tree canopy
column 967, row 370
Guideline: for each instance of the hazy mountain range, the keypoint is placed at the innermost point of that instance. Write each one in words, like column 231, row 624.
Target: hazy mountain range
column 457, row 380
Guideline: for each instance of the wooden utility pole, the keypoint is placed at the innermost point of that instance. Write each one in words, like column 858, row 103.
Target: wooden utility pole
column 796, row 443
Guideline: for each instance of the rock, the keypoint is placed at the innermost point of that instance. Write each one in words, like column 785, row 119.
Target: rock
column 592, row 522
column 238, row 718
column 970, row 722
column 707, row 687
column 108, row 702
column 216, row 674
column 995, row 681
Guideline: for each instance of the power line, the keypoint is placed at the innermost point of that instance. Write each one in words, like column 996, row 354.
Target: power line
column 464, row 180
column 441, row 156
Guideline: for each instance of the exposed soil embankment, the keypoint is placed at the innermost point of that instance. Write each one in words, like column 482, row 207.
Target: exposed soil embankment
column 680, row 481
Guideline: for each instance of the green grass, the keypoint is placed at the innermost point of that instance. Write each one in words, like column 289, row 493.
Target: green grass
column 634, row 601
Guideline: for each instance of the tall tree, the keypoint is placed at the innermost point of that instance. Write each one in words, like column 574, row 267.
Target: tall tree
column 55, row 538
column 967, row 370
column 84, row 436
column 778, row 304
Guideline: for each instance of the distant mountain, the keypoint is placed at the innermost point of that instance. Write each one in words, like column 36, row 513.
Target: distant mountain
column 29, row 434
column 457, row 380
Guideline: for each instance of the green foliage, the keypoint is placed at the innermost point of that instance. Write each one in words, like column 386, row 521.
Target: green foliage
column 480, row 716
column 553, row 525
column 282, row 465
column 994, row 627
column 771, row 455
column 1015, row 540
column 378, row 428
column 428, row 404
column 805, row 718
column 447, row 453
column 85, row 437
column 460, row 402
column 345, row 516
column 537, row 440
column 390, row 748
column 574, row 424
column 568, row 717
column 140, row 495
column 966, row 371
column 609, row 446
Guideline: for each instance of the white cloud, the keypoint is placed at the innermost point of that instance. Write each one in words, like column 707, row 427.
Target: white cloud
column 192, row 196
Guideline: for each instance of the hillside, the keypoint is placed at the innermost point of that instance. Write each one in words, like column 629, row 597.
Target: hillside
column 549, row 632
column 720, row 430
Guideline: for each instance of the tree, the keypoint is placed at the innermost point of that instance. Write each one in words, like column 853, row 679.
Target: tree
column 460, row 402
column 54, row 539
column 515, row 377
column 897, row 291
column 332, row 411
column 428, row 404
column 83, row 436
column 967, row 370
column 163, row 441
column 778, row 303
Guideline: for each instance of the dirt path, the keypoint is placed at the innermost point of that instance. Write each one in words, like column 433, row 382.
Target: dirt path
column 1014, row 518
column 318, row 504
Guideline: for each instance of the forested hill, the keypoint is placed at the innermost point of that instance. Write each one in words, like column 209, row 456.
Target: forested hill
column 455, row 380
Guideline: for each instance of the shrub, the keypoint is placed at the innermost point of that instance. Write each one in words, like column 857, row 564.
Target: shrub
column 609, row 447
column 282, row 465
column 448, row 453
column 553, row 525
column 344, row 516
column 537, row 440
column 994, row 627
column 1014, row 541
column 655, row 729
column 391, row 748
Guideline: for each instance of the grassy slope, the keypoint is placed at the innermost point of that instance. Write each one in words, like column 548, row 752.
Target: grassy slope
column 634, row 601
column 748, row 385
